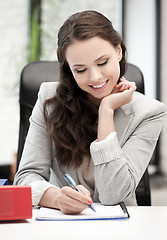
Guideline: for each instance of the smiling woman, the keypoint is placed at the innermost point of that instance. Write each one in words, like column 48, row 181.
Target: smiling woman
column 97, row 71
column 91, row 125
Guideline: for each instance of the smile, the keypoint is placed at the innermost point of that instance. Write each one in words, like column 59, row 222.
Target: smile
column 100, row 86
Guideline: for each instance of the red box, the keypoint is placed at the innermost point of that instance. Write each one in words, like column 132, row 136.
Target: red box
column 15, row 202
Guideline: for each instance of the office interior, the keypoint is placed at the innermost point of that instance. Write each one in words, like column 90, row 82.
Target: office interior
column 142, row 25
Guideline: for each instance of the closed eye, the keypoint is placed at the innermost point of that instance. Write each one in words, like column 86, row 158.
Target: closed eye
column 103, row 63
column 80, row 71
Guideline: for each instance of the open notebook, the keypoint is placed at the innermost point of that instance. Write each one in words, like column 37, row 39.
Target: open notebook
column 102, row 213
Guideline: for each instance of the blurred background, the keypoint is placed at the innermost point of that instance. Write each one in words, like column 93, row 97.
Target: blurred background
column 29, row 33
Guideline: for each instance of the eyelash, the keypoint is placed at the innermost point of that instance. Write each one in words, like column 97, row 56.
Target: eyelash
column 80, row 71
column 99, row 65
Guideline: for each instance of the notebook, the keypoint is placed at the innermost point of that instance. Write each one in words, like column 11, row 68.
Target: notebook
column 3, row 182
column 102, row 213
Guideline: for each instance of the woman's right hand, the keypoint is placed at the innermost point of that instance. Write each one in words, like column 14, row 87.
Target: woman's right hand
column 68, row 200
column 72, row 202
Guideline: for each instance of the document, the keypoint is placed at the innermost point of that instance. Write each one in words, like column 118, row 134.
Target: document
column 102, row 213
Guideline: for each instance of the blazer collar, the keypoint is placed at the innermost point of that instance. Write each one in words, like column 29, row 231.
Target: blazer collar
column 122, row 119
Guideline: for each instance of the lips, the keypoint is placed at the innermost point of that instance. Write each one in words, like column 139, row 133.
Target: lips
column 99, row 86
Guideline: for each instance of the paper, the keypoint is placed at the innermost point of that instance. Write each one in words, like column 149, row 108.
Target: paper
column 102, row 213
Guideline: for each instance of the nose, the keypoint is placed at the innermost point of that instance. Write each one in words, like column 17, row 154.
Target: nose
column 95, row 75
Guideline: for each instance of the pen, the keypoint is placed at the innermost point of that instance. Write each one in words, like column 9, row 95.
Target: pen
column 73, row 184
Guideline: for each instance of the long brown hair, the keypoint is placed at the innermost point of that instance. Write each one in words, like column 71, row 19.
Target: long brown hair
column 72, row 124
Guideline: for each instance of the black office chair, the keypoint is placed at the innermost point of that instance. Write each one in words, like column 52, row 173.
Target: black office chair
column 46, row 71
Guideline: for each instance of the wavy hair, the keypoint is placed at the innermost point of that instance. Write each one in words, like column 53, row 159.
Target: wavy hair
column 72, row 124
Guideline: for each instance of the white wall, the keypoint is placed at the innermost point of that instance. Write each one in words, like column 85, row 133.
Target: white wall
column 140, row 39
column 13, row 48
column 164, row 81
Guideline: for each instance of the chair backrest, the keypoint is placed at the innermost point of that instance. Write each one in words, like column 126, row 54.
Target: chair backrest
column 33, row 75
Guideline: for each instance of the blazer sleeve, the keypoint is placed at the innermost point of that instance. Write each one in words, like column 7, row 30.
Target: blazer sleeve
column 34, row 169
column 118, row 169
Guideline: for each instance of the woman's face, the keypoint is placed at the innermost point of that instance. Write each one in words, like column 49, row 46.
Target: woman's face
column 95, row 66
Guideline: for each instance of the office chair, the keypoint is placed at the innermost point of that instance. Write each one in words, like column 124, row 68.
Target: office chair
column 46, row 71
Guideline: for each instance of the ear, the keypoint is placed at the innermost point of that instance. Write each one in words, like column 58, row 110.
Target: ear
column 119, row 52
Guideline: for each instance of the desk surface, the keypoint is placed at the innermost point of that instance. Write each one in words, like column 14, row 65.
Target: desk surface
column 144, row 223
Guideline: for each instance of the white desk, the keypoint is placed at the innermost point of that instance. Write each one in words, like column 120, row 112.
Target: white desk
column 145, row 223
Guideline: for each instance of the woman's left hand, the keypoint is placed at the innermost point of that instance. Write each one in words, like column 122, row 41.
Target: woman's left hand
column 123, row 85
column 121, row 94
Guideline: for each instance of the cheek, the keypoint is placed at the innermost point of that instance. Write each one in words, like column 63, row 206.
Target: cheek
column 113, row 70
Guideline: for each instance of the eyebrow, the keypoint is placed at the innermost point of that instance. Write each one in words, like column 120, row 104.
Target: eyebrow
column 81, row 65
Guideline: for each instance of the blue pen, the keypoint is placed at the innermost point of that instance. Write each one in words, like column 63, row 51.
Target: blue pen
column 73, row 184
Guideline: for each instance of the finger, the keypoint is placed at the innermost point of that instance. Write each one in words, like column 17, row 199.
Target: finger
column 132, row 88
column 73, row 204
column 72, row 207
column 68, row 191
column 129, row 92
column 84, row 190
column 123, row 79
column 119, row 85
column 124, row 86
column 68, row 203
column 131, row 83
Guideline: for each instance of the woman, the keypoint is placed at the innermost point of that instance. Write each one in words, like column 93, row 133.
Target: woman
column 91, row 125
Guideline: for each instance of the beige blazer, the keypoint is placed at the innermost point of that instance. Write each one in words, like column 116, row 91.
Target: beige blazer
column 119, row 161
